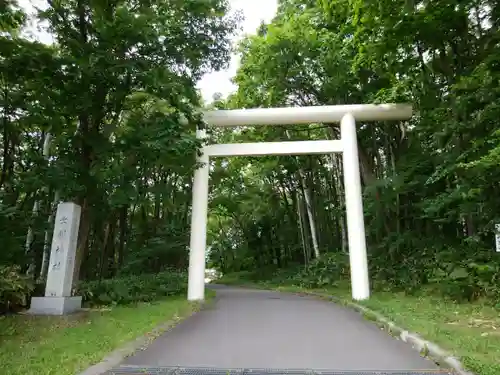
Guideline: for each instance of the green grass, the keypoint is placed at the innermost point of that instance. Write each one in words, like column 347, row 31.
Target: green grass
column 470, row 331
column 42, row 345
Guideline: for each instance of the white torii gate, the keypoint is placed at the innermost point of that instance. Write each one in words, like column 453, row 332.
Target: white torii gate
column 346, row 115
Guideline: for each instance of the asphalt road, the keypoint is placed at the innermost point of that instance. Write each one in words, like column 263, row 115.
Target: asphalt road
column 262, row 329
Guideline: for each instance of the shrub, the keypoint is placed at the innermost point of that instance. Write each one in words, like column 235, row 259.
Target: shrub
column 470, row 281
column 15, row 288
column 133, row 288
column 327, row 270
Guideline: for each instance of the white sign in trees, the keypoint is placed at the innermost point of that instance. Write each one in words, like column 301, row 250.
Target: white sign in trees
column 58, row 299
column 497, row 237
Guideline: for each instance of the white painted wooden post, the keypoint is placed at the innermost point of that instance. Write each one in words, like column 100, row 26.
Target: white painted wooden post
column 354, row 205
column 196, row 278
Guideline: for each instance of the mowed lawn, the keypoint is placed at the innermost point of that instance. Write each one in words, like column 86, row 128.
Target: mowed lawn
column 43, row 345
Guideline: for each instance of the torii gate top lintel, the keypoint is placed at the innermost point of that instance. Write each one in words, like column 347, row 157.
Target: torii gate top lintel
column 307, row 115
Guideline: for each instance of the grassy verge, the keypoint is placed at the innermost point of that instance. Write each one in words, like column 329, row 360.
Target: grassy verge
column 471, row 331
column 45, row 345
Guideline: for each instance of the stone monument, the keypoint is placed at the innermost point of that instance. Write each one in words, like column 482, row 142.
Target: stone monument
column 58, row 299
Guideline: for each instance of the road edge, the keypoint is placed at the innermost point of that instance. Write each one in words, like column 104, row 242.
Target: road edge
column 114, row 358
column 425, row 348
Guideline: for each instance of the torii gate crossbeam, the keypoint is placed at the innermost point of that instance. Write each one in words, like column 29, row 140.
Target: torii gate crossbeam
column 347, row 116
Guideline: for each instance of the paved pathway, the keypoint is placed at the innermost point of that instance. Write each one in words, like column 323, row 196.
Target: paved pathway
column 262, row 329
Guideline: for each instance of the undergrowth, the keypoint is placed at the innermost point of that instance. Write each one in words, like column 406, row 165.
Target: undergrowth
column 467, row 282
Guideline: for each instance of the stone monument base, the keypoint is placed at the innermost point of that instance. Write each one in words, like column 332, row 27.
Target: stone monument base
column 55, row 305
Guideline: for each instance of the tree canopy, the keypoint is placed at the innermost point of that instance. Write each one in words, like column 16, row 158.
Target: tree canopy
column 95, row 119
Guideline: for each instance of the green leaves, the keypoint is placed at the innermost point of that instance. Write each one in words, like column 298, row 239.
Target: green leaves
column 15, row 288
column 132, row 289
column 111, row 92
column 11, row 16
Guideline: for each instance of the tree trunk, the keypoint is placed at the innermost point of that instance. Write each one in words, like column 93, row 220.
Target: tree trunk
column 312, row 223
column 36, row 207
column 123, row 235
column 83, row 236
column 300, row 213
column 307, row 196
column 47, row 239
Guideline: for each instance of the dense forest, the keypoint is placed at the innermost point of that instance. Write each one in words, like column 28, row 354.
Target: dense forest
column 96, row 119
column 430, row 184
